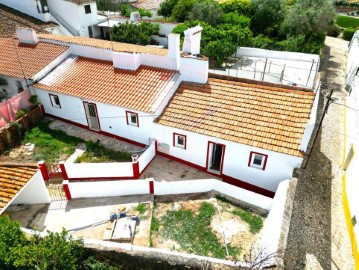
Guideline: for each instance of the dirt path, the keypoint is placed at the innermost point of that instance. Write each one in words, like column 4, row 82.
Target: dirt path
column 318, row 238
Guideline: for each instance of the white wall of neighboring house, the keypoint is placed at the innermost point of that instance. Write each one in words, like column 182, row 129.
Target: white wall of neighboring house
column 29, row 7
column 352, row 134
column 33, row 192
column 12, row 87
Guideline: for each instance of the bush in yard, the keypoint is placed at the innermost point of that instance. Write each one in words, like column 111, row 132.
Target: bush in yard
column 20, row 113
column 348, row 33
column 238, row 20
column 134, row 33
column 180, row 12
column 220, row 50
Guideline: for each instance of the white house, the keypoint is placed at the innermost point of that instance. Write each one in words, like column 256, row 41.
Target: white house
column 351, row 138
column 252, row 134
column 76, row 17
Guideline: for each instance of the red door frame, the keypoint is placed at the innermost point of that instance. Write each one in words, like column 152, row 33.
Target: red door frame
column 98, row 120
column 222, row 161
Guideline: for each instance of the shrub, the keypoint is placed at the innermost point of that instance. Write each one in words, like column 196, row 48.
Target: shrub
column 242, row 7
column 220, row 50
column 334, row 31
column 348, row 33
column 134, row 33
column 17, row 133
column 21, row 113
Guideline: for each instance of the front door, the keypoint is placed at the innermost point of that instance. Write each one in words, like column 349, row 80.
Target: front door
column 215, row 157
column 91, row 115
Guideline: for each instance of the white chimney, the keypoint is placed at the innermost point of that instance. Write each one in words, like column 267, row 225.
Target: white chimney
column 123, row 60
column 174, row 48
column 192, row 40
column 27, row 35
column 135, row 16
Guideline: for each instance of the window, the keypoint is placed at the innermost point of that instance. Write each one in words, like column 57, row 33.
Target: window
column 132, row 119
column 257, row 160
column 179, row 140
column 19, row 86
column 87, row 9
column 55, row 101
column 90, row 31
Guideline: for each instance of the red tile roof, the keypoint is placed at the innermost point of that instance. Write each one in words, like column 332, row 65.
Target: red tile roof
column 12, row 180
column 10, row 19
column 19, row 60
column 94, row 79
column 104, row 44
column 252, row 113
column 148, row 4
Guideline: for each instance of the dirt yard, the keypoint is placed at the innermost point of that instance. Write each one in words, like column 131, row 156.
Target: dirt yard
column 204, row 226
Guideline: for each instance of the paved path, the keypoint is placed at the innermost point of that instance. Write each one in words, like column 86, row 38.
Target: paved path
column 318, row 238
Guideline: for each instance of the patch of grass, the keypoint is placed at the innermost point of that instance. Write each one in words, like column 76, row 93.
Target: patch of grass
column 141, row 208
column 51, row 145
column 346, row 22
column 193, row 232
column 155, row 227
column 254, row 221
column 95, row 153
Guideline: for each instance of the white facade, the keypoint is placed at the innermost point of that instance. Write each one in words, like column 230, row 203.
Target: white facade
column 12, row 86
column 112, row 120
column 351, row 139
column 30, row 7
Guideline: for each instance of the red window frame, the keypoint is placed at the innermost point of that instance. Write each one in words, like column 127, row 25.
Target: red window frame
column 257, row 153
column 174, row 140
column 128, row 117
column 52, row 104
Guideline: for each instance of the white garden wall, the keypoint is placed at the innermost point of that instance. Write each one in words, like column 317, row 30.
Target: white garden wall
column 137, row 187
column 99, row 170
column 147, row 156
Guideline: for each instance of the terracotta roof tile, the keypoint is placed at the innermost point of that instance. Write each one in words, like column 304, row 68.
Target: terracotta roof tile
column 266, row 116
column 104, row 44
column 10, row 19
column 32, row 57
column 148, row 4
column 94, row 79
column 12, row 180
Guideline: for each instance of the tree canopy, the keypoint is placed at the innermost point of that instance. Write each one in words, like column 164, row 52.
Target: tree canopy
column 134, row 33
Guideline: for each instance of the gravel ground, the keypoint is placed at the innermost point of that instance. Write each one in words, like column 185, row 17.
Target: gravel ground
column 318, row 238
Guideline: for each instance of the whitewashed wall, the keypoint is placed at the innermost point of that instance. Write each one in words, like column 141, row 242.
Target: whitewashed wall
column 33, row 192
column 136, row 187
column 28, row 7
column 194, row 70
column 99, row 170
column 147, row 156
column 279, row 166
column 352, row 138
column 11, row 88
column 311, row 123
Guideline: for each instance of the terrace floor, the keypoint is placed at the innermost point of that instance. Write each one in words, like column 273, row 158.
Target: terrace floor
column 160, row 168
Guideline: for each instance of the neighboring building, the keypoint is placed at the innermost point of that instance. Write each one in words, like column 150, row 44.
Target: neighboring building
column 10, row 19
column 151, row 5
column 21, row 63
column 351, row 139
column 76, row 17
column 165, row 27
column 250, row 133
column 21, row 184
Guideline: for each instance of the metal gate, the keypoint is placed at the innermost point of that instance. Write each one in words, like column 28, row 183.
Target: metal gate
column 56, row 192
column 54, row 171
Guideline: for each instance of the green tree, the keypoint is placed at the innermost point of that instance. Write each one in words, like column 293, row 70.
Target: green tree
column 268, row 14
column 234, row 19
column 208, row 11
column 134, row 33
column 219, row 50
column 10, row 237
column 56, row 251
column 182, row 9
column 309, row 17
column 242, row 7
column 167, row 7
